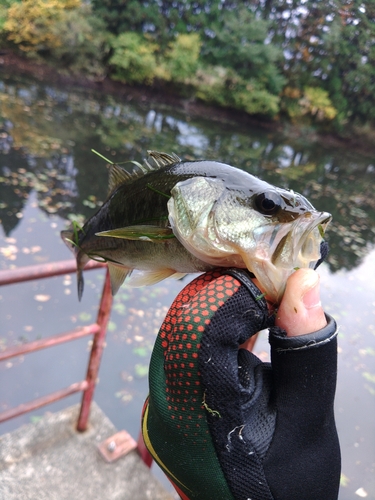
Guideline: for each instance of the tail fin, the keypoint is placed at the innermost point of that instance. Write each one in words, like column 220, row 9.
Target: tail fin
column 80, row 283
column 82, row 259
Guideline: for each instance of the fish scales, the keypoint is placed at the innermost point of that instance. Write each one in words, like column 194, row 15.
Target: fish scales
column 190, row 216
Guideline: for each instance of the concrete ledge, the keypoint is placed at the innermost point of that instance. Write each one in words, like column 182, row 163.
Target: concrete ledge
column 49, row 460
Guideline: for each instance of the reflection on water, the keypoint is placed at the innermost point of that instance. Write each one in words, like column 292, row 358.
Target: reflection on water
column 49, row 175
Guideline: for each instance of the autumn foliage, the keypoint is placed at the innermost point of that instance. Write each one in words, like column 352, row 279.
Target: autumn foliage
column 307, row 61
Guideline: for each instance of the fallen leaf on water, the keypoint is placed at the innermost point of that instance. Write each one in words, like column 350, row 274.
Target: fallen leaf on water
column 42, row 298
column 9, row 252
column 35, row 419
column 124, row 395
column 85, row 316
column 369, row 376
column 33, row 249
column 126, row 376
column 111, row 326
column 138, row 312
column 361, row 492
column 141, row 370
column 141, row 351
column 344, row 480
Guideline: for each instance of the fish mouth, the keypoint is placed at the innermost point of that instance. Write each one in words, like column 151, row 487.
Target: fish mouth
column 288, row 247
column 299, row 245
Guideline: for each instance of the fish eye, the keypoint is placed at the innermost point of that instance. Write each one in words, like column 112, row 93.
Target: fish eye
column 268, row 203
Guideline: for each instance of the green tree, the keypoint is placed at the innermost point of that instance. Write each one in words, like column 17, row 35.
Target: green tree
column 239, row 42
column 134, row 59
column 329, row 44
column 122, row 16
column 224, row 87
column 182, row 57
column 316, row 102
column 351, row 74
column 85, row 44
column 196, row 34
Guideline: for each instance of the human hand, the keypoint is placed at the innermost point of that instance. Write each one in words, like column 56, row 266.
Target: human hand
column 301, row 311
column 222, row 424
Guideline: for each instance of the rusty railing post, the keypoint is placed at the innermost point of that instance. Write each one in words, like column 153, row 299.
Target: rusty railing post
column 96, row 354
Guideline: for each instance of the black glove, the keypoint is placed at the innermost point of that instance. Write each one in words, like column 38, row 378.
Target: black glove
column 222, row 424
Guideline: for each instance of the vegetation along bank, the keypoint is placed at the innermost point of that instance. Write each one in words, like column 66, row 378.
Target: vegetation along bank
column 308, row 62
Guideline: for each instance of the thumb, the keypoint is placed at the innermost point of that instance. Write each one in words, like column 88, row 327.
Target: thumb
column 300, row 311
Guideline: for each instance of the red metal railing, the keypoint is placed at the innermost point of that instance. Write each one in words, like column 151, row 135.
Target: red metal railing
column 97, row 329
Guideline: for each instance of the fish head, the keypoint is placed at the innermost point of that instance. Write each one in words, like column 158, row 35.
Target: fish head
column 268, row 230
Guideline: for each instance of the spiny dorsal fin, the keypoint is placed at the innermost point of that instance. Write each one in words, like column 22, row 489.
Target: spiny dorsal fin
column 118, row 175
column 163, row 159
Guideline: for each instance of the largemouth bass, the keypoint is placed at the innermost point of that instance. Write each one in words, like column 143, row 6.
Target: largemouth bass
column 173, row 217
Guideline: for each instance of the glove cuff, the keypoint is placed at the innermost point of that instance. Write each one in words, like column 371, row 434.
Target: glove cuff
column 280, row 342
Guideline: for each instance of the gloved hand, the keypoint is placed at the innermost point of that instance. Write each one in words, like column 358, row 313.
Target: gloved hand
column 222, row 424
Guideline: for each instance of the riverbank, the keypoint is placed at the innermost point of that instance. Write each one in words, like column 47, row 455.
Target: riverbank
column 11, row 63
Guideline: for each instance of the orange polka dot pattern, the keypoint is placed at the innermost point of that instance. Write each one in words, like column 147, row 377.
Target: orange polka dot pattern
column 175, row 421
column 180, row 337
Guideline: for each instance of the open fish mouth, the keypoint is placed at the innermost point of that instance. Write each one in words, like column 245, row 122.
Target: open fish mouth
column 286, row 248
column 297, row 244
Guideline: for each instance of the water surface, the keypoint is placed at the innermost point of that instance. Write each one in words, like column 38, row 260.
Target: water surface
column 49, row 176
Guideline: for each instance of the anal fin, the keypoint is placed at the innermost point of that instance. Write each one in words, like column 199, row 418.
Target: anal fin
column 144, row 278
column 178, row 276
column 117, row 275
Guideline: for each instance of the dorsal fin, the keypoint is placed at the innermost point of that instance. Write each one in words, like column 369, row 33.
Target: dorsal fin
column 163, row 159
column 118, row 175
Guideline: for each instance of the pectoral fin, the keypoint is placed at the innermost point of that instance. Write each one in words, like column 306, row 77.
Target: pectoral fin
column 117, row 275
column 150, row 233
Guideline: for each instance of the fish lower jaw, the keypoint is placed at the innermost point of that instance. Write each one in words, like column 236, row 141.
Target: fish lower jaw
column 272, row 280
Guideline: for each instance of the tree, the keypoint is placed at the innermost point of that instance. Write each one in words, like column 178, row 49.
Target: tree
column 29, row 22
column 62, row 31
column 240, row 42
column 182, row 56
column 133, row 59
column 329, row 44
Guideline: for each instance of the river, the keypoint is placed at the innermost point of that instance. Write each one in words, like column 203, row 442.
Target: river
column 48, row 176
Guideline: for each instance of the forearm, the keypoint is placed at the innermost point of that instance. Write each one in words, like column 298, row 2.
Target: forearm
column 304, row 378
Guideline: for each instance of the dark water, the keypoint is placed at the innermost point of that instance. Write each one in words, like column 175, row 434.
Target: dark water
column 48, row 175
